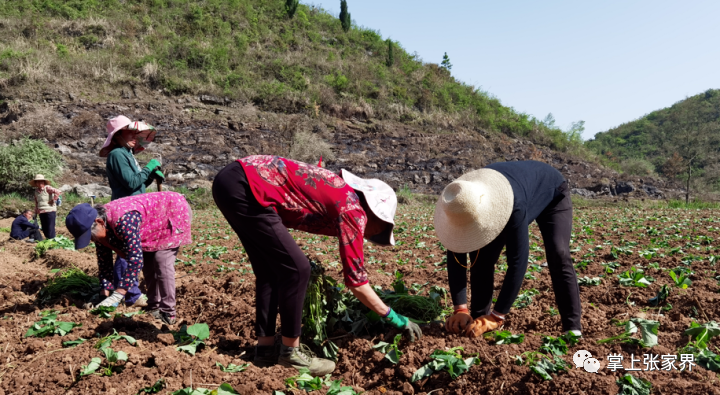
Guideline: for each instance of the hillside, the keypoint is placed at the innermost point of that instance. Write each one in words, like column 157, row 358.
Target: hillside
column 247, row 51
column 675, row 142
column 222, row 79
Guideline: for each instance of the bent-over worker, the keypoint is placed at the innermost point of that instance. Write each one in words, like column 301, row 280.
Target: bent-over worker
column 22, row 227
column 147, row 231
column 261, row 196
column 488, row 209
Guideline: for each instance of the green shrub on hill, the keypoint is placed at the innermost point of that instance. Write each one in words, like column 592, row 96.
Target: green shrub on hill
column 20, row 161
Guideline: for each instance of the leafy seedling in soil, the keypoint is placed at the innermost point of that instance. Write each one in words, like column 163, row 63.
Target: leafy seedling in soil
column 74, row 282
column 224, row 389
column 661, row 296
column 541, row 364
column 525, row 298
column 587, row 281
column 635, row 278
column 73, row 343
column 103, row 311
column 450, row 361
column 190, row 337
column 631, row 385
column 391, row 350
column 700, row 335
column 420, row 309
column 505, row 337
column 112, row 357
column 58, row 242
column 558, row 345
column 106, row 341
column 232, row 368
column 681, row 280
column 153, row 389
column 648, row 332
column 48, row 325
column 337, row 389
column 304, row 381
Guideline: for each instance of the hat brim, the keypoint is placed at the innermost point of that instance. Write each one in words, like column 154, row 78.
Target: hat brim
column 474, row 235
column 83, row 240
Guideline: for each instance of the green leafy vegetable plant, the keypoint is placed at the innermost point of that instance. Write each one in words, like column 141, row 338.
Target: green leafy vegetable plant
column 391, row 350
column 680, row 280
column 73, row 343
column 505, row 337
column 112, row 357
column 106, row 341
column 450, row 361
column 587, row 281
column 223, row 389
column 191, row 337
column 304, row 381
column 153, row 389
column 648, row 331
column 49, row 325
column 525, row 299
column 103, row 311
column 58, row 242
column 558, row 345
column 232, row 368
column 74, row 282
column 541, row 364
column 631, row 385
column 635, row 278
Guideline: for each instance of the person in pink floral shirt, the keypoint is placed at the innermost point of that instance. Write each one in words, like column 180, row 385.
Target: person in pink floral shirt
column 147, row 231
column 261, row 197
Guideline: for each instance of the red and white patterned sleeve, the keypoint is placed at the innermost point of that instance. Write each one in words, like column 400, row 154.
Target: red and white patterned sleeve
column 351, row 226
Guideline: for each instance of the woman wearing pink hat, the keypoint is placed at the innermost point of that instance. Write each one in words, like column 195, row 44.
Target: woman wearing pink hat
column 261, row 196
column 125, row 176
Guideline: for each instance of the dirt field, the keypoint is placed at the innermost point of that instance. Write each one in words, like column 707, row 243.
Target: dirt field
column 220, row 292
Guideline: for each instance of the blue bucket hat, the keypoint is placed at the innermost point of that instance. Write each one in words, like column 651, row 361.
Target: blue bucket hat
column 79, row 222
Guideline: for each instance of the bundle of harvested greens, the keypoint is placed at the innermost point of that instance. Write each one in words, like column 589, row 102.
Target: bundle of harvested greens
column 58, row 242
column 421, row 309
column 68, row 282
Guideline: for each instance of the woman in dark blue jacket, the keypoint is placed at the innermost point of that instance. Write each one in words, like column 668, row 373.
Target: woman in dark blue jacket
column 491, row 208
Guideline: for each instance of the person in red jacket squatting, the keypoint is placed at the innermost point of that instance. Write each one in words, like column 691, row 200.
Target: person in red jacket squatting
column 261, row 196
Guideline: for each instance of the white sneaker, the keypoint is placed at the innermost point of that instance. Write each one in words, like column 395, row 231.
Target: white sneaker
column 574, row 332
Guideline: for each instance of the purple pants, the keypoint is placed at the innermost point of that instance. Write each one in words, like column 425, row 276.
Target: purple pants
column 133, row 293
column 159, row 272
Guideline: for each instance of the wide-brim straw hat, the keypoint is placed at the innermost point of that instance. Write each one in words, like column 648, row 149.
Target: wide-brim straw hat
column 382, row 201
column 37, row 178
column 473, row 210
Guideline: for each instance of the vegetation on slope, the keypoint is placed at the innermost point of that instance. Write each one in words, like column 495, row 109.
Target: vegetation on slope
column 681, row 141
column 280, row 57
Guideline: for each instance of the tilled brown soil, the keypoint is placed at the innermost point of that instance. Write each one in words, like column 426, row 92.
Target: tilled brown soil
column 220, row 292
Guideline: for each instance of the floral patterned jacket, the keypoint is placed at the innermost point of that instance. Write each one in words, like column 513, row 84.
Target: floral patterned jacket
column 314, row 200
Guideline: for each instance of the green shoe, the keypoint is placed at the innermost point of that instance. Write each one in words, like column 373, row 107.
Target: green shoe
column 302, row 357
column 266, row 356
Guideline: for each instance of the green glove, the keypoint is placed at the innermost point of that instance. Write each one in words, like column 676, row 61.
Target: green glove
column 401, row 322
column 159, row 175
column 153, row 164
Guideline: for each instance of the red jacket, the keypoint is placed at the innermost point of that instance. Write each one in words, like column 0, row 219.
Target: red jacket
column 314, row 200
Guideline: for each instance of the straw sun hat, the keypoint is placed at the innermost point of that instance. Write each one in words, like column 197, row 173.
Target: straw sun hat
column 37, row 178
column 473, row 210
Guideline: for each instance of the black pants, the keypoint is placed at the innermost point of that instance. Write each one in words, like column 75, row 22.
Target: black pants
column 47, row 223
column 555, row 223
column 282, row 270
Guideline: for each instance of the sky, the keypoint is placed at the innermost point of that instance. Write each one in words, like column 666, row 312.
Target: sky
column 606, row 63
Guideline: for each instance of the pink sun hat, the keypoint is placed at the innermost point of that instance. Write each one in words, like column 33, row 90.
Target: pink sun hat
column 113, row 125
column 145, row 134
column 381, row 200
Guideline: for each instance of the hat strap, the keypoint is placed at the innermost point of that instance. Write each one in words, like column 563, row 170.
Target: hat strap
column 467, row 267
